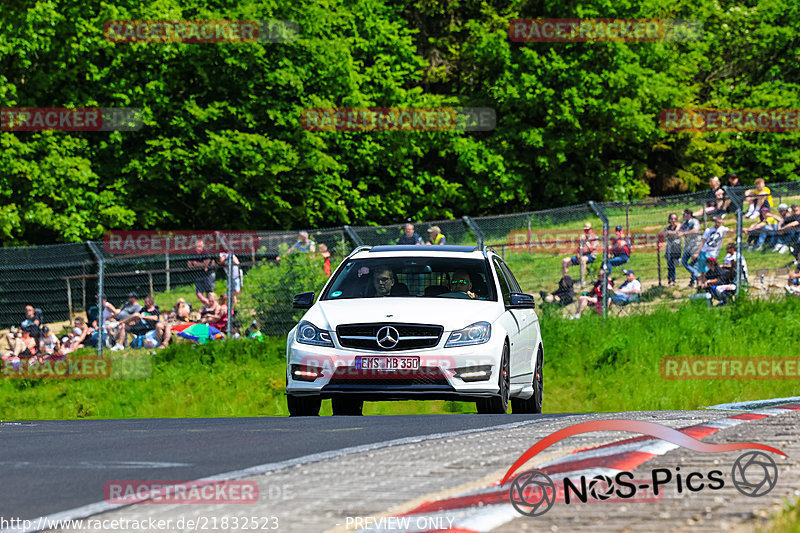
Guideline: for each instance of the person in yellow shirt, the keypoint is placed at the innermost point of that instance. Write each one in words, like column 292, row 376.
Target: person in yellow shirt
column 435, row 236
column 759, row 197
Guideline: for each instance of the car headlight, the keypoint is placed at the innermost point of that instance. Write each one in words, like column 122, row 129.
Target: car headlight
column 308, row 333
column 477, row 333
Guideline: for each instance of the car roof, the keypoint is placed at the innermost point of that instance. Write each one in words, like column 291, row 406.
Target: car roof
column 416, row 248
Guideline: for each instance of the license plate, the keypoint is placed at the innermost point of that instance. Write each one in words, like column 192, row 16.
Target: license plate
column 387, row 363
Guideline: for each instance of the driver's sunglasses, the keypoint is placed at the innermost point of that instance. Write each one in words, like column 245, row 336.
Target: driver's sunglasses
column 459, row 282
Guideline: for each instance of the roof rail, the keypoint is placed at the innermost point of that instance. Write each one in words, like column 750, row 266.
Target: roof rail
column 359, row 249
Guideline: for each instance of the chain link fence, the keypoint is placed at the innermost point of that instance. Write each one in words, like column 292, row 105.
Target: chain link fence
column 541, row 247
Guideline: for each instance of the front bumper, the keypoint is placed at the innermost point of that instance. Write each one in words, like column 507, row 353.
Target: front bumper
column 436, row 378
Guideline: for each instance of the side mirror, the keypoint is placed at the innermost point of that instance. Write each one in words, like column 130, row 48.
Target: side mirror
column 520, row 300
column 304, row 300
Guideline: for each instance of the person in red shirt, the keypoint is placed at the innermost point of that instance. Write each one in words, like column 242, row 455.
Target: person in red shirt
column 326, row 265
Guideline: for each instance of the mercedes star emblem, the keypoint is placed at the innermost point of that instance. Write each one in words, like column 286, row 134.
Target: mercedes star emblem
column 387, row 337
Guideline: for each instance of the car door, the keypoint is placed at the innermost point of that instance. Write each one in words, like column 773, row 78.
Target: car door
column 511, row 321
column 527, row 322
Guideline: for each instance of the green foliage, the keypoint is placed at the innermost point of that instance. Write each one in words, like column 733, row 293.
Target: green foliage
column 222, row 145
column 272, row 288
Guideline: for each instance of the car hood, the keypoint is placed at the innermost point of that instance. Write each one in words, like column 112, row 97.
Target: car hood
column 451, row 313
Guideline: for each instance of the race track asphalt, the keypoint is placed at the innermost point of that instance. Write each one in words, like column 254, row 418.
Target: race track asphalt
column 53, row 466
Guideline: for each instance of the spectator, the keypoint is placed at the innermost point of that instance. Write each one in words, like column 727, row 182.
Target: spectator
column 629, row 291
column 793, row 287
column 238, row 276
column 787, row 228
column 222, row 322
column 563, row 295
column 127, row 314
column 203, row 264
column 729, row 261
column 594, row 297
column 409, row 236
column 672, row 246
column 303, row 245
column 712, row 244
column 733, row 183
column 211, row 311
column 24, row 347
column 48, row 343
column 621, row 250
column 142, row 322
column 716, row 199
column 759, row 197
column 82, row 334
column 435, row 236
column 326, row 263
column 767, row 225
column 179, row 315
column 690, row 230
column 31, row 323
column 585, row 254
column 718, row 281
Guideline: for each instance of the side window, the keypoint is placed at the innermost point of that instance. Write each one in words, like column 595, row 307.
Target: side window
column 511, row 279
column 505, row 289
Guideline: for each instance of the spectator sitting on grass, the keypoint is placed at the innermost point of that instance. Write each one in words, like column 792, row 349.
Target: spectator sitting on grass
column 629, row 291
column 718, row 281
column 793, row 287
column 25, row 347
column 730, row 261
column 435, row 236
column 621, row 249
column 48, row 343
column 733, row 183
column 31, row 323
column 211, row 312
column 787, row 228
column 127, row 314
column 203, row 264
column 759, row 197
column 142, row 322
column 563, row 295
column 716, row 199
column 585, row 254
column 767, row 225
column 222, row 322
column 594, row 297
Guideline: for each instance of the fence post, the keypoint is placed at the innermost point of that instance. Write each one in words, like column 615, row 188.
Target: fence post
column 69, row 299
column 469, row 223
column 530, row 235
column 100, row 275
column 229, row 265
column 738, row 202
column 602, row 216
column 353, row 236
column 166, row 267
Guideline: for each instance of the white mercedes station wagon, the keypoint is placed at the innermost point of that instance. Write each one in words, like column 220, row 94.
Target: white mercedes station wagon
column 416, row 322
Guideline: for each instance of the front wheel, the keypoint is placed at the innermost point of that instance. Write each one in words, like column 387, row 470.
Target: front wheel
column 532, row 405
column 498, row 404
column 347, row 407
column 303, row 405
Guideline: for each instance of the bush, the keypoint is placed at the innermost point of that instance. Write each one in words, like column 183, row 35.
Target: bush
column 274, row 286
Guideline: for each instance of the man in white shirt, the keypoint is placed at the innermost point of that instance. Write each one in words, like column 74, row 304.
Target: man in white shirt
column 712, row 244
column 628, row 291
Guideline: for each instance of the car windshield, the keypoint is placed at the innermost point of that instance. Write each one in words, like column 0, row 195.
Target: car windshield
column 420, row 277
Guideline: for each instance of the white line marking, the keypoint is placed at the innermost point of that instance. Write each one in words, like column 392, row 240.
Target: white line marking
column 755, row 404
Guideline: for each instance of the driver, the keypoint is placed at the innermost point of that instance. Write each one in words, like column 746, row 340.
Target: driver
column 461, row 282
column 383, row 281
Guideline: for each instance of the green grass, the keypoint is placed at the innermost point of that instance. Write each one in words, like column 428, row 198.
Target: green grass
column 589, row 367
column 788, row 521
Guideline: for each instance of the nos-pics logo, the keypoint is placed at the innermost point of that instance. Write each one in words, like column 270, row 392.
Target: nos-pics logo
column 533, row 492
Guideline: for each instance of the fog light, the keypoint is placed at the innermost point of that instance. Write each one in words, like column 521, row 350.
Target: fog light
column 474, row 373
column 306, row 373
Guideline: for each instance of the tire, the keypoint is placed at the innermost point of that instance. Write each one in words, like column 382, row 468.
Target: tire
column 532, row 405
column 347, row 406
column 498, row 405
column 303, row 405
